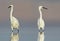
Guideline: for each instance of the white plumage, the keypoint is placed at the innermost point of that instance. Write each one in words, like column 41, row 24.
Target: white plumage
column 40, row 22
column 13, row 20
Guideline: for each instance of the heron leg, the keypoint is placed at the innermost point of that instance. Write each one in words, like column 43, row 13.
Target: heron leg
column 42, row 30
column 17, row 29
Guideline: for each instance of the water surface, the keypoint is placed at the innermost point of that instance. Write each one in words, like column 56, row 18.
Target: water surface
column 31, row 34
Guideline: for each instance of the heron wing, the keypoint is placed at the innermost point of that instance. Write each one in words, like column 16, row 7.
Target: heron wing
column 42, row 24
column 15, row 22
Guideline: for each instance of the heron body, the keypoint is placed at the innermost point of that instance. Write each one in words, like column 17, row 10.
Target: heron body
column 41, row 24
column 14, row 23
column 13, row 20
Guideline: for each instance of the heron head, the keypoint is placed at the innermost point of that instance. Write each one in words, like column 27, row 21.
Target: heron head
column 42, row 7
column 10, row 6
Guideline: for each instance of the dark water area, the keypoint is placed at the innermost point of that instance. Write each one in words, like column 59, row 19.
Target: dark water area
column 31, row 34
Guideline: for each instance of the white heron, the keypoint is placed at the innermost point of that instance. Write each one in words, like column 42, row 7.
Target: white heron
column 40, row 22
column 13, row 20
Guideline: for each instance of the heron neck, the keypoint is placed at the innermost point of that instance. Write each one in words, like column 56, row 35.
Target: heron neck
column 11, row 12
column 40, row 13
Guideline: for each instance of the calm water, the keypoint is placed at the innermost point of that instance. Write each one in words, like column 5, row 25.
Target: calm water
column 31, row 34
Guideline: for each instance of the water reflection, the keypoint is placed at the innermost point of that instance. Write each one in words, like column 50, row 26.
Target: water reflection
column 40, row 36
column 14, row 36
